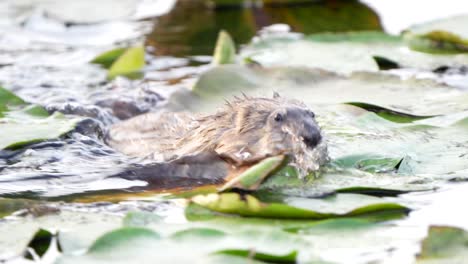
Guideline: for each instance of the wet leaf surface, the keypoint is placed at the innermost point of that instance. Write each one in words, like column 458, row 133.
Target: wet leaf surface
column 340, row 205
column 439, row 36
column 345, row 53
column 129, row 63
column 23, row 124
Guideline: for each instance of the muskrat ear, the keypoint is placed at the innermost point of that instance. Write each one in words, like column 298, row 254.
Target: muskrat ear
column 276, row 95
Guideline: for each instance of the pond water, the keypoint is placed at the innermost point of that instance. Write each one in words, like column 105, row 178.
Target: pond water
column 44, row 53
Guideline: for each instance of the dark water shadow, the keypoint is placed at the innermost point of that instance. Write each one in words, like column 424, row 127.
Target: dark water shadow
column 191, row 28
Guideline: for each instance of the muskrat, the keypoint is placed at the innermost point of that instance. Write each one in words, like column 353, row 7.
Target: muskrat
column 245, row 131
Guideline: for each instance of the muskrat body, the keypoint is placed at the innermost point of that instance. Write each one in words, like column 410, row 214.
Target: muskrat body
column 245, row 131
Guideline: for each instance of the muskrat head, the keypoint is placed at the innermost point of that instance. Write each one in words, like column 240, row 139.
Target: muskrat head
column 272, row 126
column 298, row 121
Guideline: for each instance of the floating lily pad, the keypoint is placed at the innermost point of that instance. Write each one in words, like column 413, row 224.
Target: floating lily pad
column 316, row 88
column 438, row 41
column 250, row 254
column 369, row 163
column 22, row 124
column 107, row 58
column 194, row 245
column 297, row 208
column 8, row 98
column 286, row 182
column 122, row 238
column 197, row 233
column 391, row 115
column 344, row 53
column 444, row 244
column 448, row 35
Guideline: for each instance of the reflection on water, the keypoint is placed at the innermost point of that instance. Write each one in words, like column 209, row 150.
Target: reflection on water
column 191, row 28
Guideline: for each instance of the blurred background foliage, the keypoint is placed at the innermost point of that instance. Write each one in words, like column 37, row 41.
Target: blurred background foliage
column 192, row 26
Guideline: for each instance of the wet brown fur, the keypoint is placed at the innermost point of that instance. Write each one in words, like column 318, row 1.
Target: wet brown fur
column 240, row 132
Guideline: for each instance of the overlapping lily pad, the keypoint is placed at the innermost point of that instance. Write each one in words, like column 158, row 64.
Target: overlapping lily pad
column 22, row 124
column 422, row 97
column 345, row 53
column 447, row 35
column 122, row 62
column 444, row 244
column 340, row 205
column 144, row 245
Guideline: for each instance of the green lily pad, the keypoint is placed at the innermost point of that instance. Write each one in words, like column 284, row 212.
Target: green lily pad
column 317, row 88
column 22, row 124
column 197, row 233
column 129, row 64
column 289, row 258
column 296, row 208
column 437, row 41
column 391, row 115
column 286, row 182
column 122, row 238
column 455, row 24
column 194, row 245
column 448, row 35
column 344, row 52
column 8, row 98
column 107, row 58
column 444, row 244
column 253, row 176
column 369, row 163
column 225, row 51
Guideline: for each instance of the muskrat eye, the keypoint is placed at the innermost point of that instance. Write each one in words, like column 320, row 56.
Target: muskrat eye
column 312, row 114
column 279, row 117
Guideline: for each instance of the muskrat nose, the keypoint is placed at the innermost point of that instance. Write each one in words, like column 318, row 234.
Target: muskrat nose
column 312, row 136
